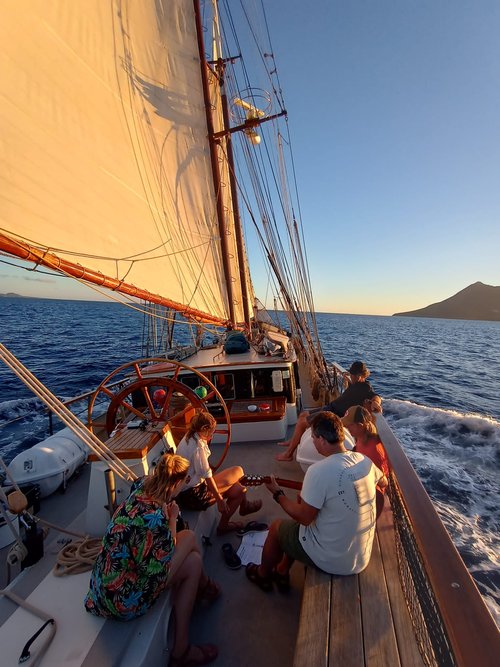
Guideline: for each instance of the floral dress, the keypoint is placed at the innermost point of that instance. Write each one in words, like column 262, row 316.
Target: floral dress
column 131, row 570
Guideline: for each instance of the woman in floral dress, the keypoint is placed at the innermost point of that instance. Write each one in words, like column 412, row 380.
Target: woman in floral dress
column 142, row 554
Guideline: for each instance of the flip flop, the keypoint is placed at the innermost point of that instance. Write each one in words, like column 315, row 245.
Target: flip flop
column 209, row 592
column 209, row 652
column 251, row 527
column 264, row 583
column 230, row 527
column 231, row 558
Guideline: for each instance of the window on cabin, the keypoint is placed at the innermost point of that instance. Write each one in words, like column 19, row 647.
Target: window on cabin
column 225, row 385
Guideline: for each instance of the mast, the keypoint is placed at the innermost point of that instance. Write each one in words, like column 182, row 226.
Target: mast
column 215, row 164
column 220, row 67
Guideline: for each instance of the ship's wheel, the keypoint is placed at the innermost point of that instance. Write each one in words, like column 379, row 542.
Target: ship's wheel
column 132, row 388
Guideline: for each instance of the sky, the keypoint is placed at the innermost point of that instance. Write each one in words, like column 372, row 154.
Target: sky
column 394, row 113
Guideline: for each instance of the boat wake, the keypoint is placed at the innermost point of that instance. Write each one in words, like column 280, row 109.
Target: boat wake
column 456, row 456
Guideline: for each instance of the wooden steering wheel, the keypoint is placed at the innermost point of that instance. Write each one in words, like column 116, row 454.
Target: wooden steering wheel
column 131, row 387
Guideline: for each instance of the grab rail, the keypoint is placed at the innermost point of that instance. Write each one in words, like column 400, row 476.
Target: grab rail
column 471, row 630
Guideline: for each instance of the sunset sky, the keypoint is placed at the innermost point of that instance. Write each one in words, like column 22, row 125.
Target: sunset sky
column 394, row 111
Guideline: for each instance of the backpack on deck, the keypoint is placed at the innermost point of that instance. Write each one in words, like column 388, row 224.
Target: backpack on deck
column 236, row 343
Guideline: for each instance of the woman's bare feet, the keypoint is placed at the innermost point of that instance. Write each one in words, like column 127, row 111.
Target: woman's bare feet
column 285, row 456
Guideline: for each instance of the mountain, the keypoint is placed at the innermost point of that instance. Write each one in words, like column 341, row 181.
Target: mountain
column 12, row 295
column 476, row 302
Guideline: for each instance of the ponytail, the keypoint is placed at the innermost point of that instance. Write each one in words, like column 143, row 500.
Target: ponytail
column 169, row 471
column 198, row 422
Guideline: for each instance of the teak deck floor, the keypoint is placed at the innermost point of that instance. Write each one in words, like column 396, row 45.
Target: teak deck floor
column 324, row 621
column 360, row 620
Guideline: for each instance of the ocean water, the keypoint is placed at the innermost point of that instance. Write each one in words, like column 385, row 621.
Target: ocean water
column 439, row 380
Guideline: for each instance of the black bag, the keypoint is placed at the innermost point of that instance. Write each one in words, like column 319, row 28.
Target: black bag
column 197, row 498
column 236, row 343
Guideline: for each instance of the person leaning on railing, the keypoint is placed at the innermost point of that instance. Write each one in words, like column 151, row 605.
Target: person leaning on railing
column 360, row 424
column 358, row 390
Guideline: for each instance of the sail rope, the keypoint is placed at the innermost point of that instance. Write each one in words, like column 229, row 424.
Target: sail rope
column 66, row 416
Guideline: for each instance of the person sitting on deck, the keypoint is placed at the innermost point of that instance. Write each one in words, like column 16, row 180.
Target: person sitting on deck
column 360, row 424
column 333, row 523
column 205, row 488
column 142, row 555
column 356, row 393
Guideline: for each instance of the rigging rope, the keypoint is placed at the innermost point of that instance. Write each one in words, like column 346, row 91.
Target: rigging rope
column 66, row 416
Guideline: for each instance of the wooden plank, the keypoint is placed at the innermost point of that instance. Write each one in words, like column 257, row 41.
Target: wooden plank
column 346, row 645
column 312, row 638
column 133, row 443
column 379, row 637
column 405, row 635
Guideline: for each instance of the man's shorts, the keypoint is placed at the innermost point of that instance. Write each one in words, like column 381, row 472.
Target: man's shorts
column 288, row 538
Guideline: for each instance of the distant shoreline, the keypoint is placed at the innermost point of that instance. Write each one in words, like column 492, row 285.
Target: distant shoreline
column 48, row 298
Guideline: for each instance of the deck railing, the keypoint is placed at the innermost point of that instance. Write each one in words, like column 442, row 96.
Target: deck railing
column 451, row 620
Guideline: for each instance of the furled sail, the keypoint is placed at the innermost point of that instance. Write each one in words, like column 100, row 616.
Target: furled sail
column 105, row 158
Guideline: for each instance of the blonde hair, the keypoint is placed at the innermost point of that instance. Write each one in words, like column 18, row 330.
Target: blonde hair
column 200, row 421
column 169, row 471
column 363, row 417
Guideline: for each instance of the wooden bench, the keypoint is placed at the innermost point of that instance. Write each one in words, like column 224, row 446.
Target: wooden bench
column 83, row 640
column 359, row 620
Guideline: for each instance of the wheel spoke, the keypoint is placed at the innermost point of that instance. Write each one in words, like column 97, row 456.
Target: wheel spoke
column 133, row 410
column 149, row 402
column 165, row 376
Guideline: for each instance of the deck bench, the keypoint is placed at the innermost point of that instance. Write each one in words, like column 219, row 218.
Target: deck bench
column 94, row 641
column 358, row 620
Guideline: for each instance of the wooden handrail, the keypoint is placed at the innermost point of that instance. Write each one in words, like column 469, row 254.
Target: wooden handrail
column 471, row 629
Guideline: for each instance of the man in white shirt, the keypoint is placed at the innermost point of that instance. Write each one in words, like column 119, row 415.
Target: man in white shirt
column 333, row 525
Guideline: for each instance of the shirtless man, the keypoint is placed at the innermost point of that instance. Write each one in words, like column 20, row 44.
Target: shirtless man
column 356, row 393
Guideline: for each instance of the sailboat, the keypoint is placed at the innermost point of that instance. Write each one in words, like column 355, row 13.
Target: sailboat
column 145, row 158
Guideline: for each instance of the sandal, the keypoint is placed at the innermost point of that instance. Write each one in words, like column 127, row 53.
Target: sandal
column 250, row 506
column 209, row 592
column 250, row 527
column 231, row 558
column 209, row 652
column 230, row 527
column 264, row 583
column 282, row 581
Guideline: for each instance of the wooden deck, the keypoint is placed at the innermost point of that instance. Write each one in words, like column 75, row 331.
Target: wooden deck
column 360, row 620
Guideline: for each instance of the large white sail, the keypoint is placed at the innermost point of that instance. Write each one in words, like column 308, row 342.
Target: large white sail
column 105, row 158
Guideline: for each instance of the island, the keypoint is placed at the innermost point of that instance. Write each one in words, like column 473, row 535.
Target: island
column 476, row 302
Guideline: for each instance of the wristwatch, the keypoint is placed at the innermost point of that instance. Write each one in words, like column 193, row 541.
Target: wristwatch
column 277, row 494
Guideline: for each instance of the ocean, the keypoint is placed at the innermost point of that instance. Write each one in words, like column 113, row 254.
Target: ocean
column 438, row 378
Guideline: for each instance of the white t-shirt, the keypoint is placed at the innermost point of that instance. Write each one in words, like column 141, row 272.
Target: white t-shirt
column 196, row 451
column 342, row 487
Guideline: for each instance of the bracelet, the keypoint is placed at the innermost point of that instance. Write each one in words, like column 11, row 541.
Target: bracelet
column 277, row 494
